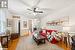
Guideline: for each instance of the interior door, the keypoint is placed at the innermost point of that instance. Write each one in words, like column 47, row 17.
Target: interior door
column 30, row 25
column 15, row 26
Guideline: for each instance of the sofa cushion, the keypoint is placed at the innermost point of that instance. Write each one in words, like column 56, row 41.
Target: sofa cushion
column 43, row 32
column 51, row 31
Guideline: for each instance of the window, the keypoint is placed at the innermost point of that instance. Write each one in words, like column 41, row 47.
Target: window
column 3, row 3
column 2, row 21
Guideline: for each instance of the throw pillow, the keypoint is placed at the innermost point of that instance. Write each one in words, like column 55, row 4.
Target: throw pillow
column 43, row 31
column 53, row 33
column 36, row 35
column 50, row 37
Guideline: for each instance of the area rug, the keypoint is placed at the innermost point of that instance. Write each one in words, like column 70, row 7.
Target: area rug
column 27, row 43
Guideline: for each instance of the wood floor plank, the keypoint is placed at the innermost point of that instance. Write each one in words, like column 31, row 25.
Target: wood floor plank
column 12, row 45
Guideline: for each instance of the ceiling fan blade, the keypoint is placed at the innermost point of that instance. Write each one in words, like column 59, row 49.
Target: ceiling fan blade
column 46, row 9
column 39, row 11
column 29, row 9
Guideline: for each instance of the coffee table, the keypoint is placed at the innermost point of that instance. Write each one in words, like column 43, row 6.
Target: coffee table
column 39, row 40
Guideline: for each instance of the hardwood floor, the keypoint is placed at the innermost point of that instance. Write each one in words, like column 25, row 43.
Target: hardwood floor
column 12, row 45
column 62, row 45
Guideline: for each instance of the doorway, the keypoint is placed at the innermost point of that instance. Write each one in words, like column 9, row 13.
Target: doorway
column 30, row 25
column 19, row 28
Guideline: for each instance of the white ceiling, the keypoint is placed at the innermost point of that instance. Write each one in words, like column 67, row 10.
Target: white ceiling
column 20, row 6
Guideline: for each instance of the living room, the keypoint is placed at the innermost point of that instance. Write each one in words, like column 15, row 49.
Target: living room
column 37, row 25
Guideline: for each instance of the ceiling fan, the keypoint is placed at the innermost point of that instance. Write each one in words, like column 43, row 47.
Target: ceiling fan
column 35, row 10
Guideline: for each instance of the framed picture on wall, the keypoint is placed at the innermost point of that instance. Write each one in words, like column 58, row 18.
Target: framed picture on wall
column 9, row 22
column 25, row 24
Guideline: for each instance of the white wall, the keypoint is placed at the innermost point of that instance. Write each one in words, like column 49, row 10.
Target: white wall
column 8, row 16
column 21, row 26
column 14, row 28
column 69, row 11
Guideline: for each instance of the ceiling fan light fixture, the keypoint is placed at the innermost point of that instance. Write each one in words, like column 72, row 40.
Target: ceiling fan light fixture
column 34, row 14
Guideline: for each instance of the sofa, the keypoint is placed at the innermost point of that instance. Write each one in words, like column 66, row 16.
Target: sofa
column 43, row 32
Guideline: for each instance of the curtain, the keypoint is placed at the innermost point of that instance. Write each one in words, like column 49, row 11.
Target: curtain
column 2, row 20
